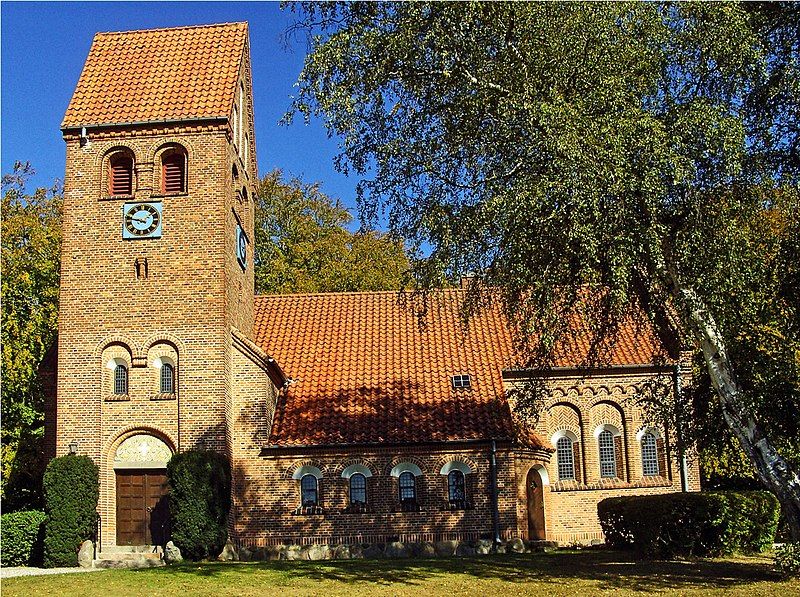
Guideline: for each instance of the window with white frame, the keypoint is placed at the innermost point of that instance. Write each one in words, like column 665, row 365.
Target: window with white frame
column 608, row 456
column 649, row 455
column 461, row 382
column 565, row 458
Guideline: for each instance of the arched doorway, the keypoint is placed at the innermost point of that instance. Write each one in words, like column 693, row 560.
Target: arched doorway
column 140, row 468
column 535, row 489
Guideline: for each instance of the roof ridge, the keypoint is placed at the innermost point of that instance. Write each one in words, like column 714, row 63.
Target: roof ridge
column 178, row 28
column 347, row 293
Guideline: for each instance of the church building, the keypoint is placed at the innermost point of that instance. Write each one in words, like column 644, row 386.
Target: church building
column 344, row 419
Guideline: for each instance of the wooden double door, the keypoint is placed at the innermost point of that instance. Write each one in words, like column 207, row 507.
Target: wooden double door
column 142, row 507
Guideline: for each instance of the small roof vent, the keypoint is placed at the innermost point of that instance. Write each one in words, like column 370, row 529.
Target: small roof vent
column 461, row 382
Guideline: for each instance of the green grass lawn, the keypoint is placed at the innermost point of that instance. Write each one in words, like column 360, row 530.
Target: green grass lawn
column 559, row 573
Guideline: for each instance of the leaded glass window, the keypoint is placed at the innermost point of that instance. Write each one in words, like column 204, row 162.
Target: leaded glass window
column 408, row 487
column 455, row 486
column 608, row 459
column 121, row 379
column 649, row 455
column 308, row 491
column 358, row 489
column 167, row 379
column 566, row 462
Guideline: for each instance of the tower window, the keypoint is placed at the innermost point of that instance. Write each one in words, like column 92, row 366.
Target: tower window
column 408, row 490
column 120, row 175
column 120, row 380
column 173, row 172
column 456, row 489
column 167, row 379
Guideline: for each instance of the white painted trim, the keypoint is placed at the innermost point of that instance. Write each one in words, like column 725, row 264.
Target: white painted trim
column 307, row 470
column 406, row 466
column 606, row 427
column 112, row 363
column 651, row 430
column 455, row 465
column 542, row 473
column 356, row 468
column 563, row 433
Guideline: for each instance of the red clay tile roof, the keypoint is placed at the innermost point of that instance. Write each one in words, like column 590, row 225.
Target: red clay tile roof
column 364, row 370
column 159, row 74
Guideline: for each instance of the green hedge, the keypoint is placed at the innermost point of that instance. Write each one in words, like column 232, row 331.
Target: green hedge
column 71, row 489
column 691, row 524
column 200, row 499
column 22, row 534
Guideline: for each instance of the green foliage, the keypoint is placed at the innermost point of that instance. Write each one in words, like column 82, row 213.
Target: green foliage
column 787, row 559
column 71, row 491
column 31, row 245
column 645, row 152
column 22, row 538
column 303, row 244
column 200, row 499
column 691, row 524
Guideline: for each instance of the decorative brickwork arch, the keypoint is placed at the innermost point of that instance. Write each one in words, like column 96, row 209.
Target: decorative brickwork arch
column 165, row 147
column 129, row 345
column 454, row 459
column 104, row 163
column 407, row 459
column 292, row 469
column 340, row 467
column 162, row 338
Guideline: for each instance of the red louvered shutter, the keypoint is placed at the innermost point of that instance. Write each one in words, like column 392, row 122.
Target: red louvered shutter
column 173, row 173
column 121, row 176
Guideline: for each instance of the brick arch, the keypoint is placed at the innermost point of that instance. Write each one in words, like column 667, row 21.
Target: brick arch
column 336, row 469
column 556, row 423
column 117, row 340
column 290, row 470
column 124, row 433
column 444, row 459
column 609, row 412
column 412, row 459
column 176, row 343
column 167, row 142
column 163, row 145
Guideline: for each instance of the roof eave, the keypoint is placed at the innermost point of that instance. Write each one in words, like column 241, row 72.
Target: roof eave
column 205, row 119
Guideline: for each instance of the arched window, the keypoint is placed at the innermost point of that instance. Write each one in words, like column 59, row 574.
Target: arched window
column 358, row 489
column 408, row 488
column 120, row 174
column 309, row 496
column 566, row 458
column 173, row 171
column 120, row 379
column 649, row 455
column 456, row 491
column 608, row 457
column 167, row 385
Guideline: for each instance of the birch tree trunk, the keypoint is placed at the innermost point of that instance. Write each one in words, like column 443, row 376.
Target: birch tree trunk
column 773, row 470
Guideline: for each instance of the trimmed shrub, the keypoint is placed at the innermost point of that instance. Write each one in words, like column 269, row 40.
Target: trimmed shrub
column 200, row 499
column 691, row 524
column 787, row 559
column 71, row 490
column 22, row 538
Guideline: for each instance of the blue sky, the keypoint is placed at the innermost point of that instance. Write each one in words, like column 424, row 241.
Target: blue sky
column 44, row 45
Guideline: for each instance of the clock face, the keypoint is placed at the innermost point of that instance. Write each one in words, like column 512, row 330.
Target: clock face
column 141, row 220
column 241, row 247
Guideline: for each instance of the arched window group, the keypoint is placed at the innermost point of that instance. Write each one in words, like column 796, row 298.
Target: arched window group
column 173, row 164
column 407, row 495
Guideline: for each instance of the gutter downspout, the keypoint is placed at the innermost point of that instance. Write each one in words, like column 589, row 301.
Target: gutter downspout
column 495, row 511
column 684, row 465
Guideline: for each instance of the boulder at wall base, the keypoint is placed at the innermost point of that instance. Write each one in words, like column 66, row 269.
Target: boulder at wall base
column 86, row 554
column 292, row 552
column 516, row 545
column 483, row 547
column 319, row 552
column 341, row 552
column 426, row 549
column 374, row 551
column 245, row 555
column 465, row 549
column 229, row 552
column 356, row 552
column 172, row 553
column 396, row 549
column 445, row 549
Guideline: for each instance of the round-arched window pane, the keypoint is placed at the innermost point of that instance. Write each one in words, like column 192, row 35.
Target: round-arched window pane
column 608, row 459
column 566, row 460
column 120, row 379
column 408, row 487
column 649, row 455
column 167, row 379
column 358, row 489
column 308, row 491
column 455, row 487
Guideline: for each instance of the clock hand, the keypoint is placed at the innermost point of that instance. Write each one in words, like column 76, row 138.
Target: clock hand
column 140, row 219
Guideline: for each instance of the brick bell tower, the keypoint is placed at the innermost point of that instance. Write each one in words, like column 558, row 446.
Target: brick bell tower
column 157, row 259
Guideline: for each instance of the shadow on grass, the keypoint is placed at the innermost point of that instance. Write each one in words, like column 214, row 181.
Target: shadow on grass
column 610, row 570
